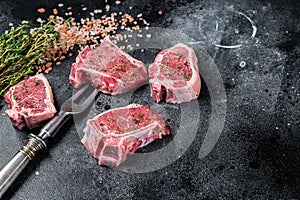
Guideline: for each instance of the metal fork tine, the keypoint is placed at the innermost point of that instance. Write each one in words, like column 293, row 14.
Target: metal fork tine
column 81, row 107
column 91, row 97
column 79, row 93
column 70, row 107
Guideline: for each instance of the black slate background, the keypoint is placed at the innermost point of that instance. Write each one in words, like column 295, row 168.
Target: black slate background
column 257, row 155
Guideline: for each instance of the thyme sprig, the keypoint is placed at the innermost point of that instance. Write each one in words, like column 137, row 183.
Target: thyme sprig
column 21, row 49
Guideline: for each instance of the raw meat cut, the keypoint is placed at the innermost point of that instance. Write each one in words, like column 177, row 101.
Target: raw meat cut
column 30, row 102
column 174, row 75
column 108, row 69
column 113, row 134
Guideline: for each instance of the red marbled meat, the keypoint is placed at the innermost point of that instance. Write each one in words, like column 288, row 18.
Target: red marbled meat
column 30, row 102
column 174, row 75
column 112, row 135
column 108, row 69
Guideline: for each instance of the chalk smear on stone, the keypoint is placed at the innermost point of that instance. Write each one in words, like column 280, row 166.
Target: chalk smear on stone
column 254, row 31
column 254, row 28
column 242, row 64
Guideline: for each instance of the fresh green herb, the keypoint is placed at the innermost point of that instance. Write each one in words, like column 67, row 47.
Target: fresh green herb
column 160, row 129
column 179, row 67
column 121, row 67
column 138, row 118
column 14, row 97
column 24, row 87
column 187, row 76
column 21, row 49
column 148, row 118
column 114, row 119
column 141, row 115
column 167, row 63
column 118, row 67
column 37, row 82
column 179, row 55
column 31, row 103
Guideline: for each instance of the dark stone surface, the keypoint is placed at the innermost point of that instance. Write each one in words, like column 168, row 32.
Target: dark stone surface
column 257, row 154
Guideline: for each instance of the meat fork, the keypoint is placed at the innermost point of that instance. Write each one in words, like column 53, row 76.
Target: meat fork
column 38, row 142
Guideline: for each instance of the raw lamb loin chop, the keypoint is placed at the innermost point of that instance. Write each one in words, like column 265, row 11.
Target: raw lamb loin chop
column 174, row 75
column 108, row 69
column 113, row 134
column 30, row 102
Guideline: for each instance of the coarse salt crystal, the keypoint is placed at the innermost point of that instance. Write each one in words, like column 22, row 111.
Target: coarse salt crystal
column 129, row 47
column 145, row 22
column 148, row 35
column 107, row 7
